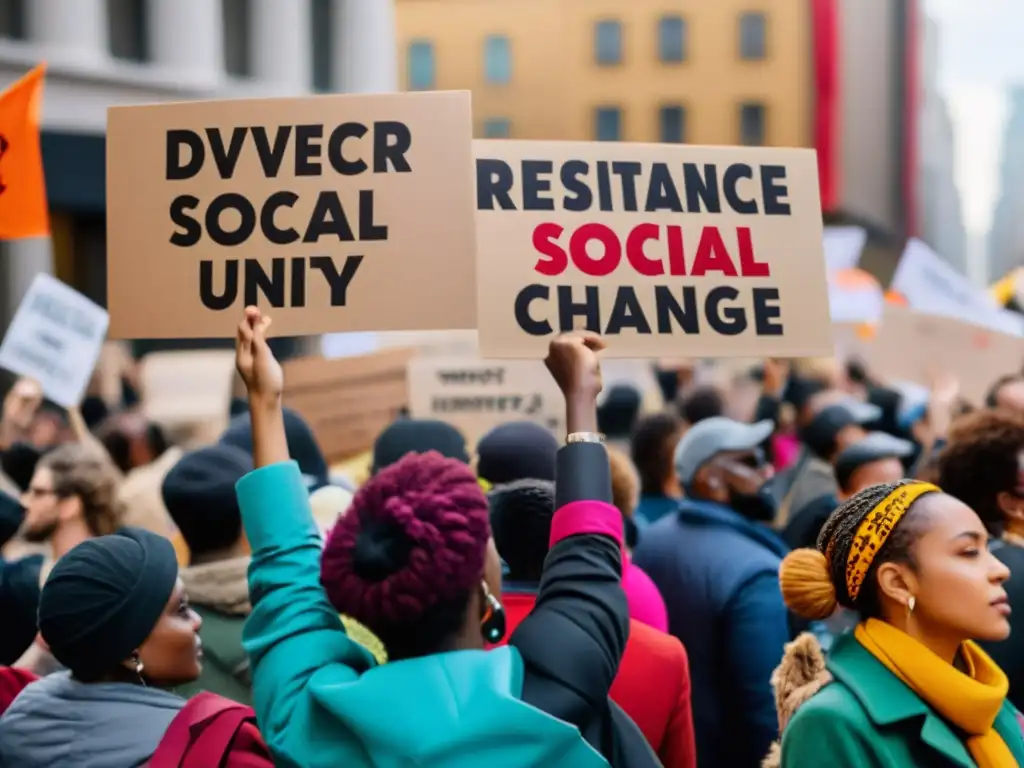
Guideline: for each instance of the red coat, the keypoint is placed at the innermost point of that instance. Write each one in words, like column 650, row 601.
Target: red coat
column 12, row 680
column 652, row 687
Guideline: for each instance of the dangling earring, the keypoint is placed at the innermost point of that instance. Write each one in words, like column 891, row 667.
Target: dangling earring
column 910, row 605
column 139, row 667
column 492, row 625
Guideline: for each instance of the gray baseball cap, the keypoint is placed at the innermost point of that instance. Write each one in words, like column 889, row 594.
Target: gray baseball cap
column 877, row 445
column 713, row 436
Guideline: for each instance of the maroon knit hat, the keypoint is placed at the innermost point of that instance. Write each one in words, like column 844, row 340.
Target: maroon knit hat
column 415, row 535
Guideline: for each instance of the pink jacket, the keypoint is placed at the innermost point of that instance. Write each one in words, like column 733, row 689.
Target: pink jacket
column 645, row 602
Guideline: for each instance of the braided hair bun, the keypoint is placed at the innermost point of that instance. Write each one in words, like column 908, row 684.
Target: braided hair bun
column 406, row 555
column 806, row 584
column 814, row 584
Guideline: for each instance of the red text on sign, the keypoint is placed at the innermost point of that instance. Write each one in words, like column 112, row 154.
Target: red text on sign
column 596, row 250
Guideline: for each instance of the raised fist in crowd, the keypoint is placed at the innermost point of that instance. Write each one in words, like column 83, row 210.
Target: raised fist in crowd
column 256, row 364
column 573, row 362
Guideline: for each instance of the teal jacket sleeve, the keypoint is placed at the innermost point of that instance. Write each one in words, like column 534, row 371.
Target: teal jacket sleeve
column 293, row 631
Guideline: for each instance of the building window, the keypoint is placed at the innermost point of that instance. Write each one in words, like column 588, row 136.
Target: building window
column 12, row 19
column 608, row 43
column 672, row 122
column 237, row 37
column 320, row 35
column 421, row 65
column 753, row 33
column 498, row 60
column 672, row 39
column 126, row 29
column 752, row 124
column 497, row 128
column 608, row 124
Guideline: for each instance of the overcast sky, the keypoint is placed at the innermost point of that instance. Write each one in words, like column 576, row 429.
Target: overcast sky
column 979, row 61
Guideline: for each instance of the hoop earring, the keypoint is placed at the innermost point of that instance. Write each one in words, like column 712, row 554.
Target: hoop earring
column 139, row 667
column 492, row 625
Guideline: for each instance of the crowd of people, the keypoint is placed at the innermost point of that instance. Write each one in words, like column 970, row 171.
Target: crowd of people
column 824, row 575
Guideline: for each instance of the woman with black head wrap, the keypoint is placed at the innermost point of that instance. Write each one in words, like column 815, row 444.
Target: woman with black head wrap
column 114, row 613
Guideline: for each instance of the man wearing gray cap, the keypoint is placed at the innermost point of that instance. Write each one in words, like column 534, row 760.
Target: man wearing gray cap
column 716, row 563
column 874, row 459
column 834, row 421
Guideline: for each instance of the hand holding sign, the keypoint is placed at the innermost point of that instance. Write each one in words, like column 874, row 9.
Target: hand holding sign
column 256, row 364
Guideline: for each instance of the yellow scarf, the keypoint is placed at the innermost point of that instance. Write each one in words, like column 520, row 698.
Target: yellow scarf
column 969, row 701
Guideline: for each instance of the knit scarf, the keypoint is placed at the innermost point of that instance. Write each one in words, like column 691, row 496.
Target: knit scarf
column 969, row 701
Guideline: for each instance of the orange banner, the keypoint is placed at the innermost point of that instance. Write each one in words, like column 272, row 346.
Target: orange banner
column 23, row 210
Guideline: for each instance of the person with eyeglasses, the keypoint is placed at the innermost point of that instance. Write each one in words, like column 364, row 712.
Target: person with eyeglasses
column 716, row 563
column 71, row 498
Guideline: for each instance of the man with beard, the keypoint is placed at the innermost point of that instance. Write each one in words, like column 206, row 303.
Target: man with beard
column 72, row 497
column 716, row 563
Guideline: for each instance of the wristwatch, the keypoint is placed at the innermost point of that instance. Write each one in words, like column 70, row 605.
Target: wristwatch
column 584, row 437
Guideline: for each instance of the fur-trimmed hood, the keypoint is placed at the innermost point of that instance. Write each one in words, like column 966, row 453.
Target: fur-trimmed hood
column 801, row 674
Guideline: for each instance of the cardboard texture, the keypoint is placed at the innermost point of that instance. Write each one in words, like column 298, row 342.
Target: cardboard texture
column 188, row 392
column 475, row 395
column 914, row 347
column 372, row 192
column 434, row 343
column 554, row 229
column 348, row 401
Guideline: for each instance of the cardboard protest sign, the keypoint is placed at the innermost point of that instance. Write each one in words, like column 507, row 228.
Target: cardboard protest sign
column 475, row 395
column 188, row 392
column 333, row 213
column 55, row 338
column 348, row 401
column 664, row 249
column 915, row 347
column 436, row 343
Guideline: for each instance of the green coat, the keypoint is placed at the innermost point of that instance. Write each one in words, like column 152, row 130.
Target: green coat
column 225, row 665
column 867, row 718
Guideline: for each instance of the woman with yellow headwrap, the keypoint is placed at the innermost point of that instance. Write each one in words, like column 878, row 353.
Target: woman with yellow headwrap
column 909, row 686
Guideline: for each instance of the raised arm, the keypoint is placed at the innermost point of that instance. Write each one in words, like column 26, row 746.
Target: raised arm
column 572, row 641
column 293, row 631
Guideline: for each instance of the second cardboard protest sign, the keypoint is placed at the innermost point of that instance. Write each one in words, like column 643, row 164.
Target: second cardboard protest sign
column 333, row 213
column 715, row 249
column 475, row 395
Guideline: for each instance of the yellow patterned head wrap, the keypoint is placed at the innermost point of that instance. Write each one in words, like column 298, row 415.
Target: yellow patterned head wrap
column 875, row 529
